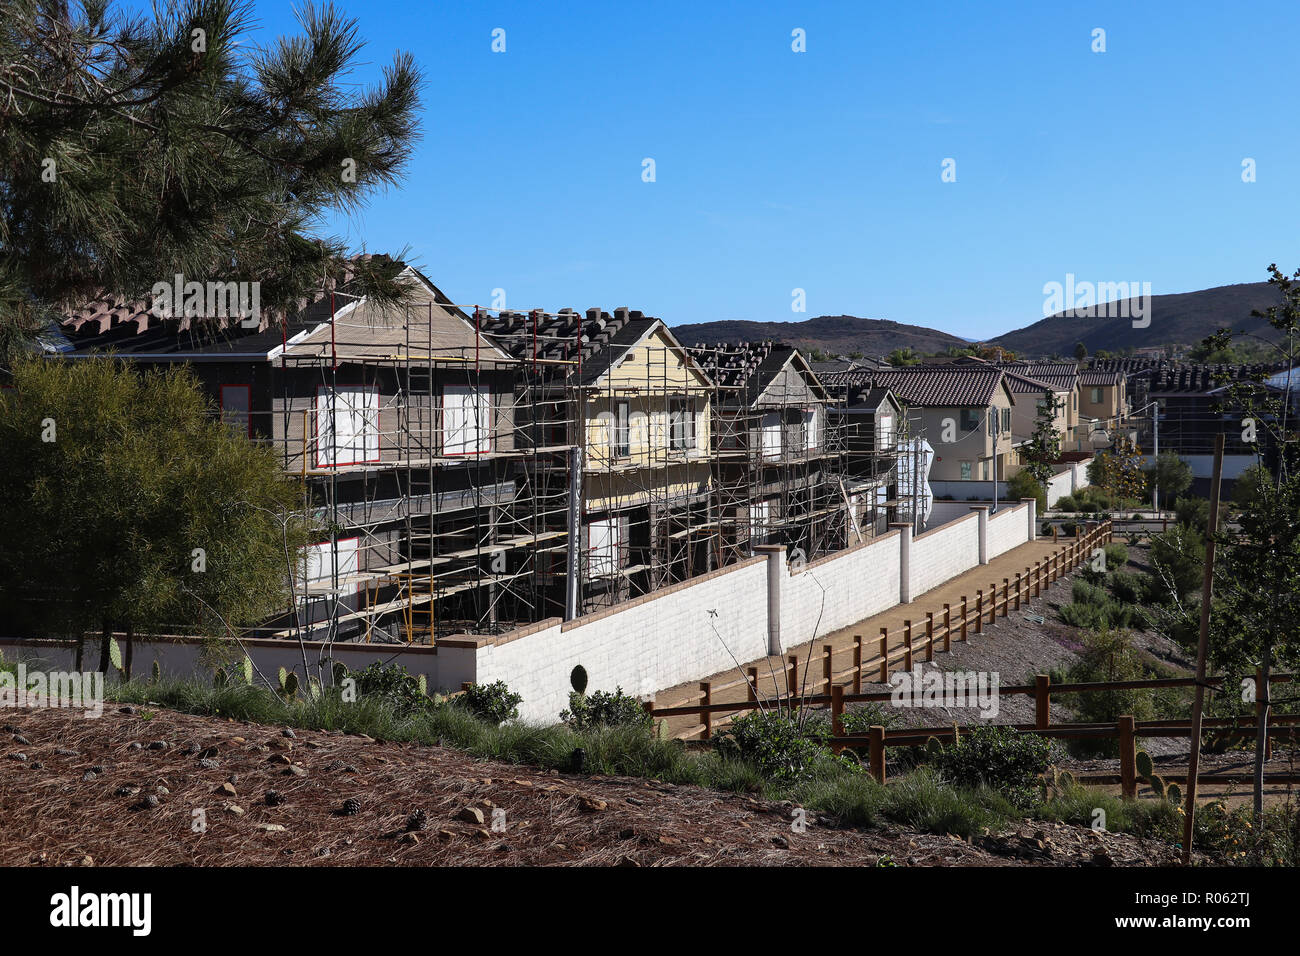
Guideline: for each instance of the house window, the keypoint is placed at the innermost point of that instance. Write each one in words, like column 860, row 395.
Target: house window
column 236, row 403
column 885, row 432
column 965, row 471
column 760, row 519
column 604, row 542
column 682, row 423
column 347, row 425
column 466, row 420
column 812, row 436
column 770, row 437
column 1095, row 396
column 1006, row 419
column 970, row 419
column 984, row 471
column 620, row 438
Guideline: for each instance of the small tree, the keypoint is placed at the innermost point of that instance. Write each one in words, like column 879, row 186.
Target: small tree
column 1044, row 447
column 1118, row 470
column 1169, row 474
column 125, row 504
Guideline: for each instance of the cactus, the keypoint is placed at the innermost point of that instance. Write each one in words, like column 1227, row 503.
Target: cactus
column 1145, row 768
column 219, row 678
column 1065, row 779
column 1157, row 783
column 289, row 682
column 933, row 747
column 114, row 654
column 246, row 670
column 578, row 678
column 1174, row 793
column 423, row 683
column 284, row 678
column 155, row 672
column 339, row 673
column 313, row 688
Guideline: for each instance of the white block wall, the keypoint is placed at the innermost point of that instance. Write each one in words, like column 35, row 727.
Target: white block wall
column 944, row 553
column 843, row 590
column 645, row 646
column 1008, row 529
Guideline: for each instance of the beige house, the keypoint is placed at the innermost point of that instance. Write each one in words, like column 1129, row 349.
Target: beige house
column 1103, row 397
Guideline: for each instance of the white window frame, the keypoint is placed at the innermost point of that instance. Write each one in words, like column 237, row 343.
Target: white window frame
column 355, row 418
column 760, row 521
column 604, row 545
column 885, row 431
column 769, row 436
column 966, row 470
column 681, row 419
column 466, row 420
column 811, row 434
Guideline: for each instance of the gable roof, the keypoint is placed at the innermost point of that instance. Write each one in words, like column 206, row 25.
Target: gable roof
column 940, row 386
column 753, row 366
column 596, row 339
column 130, row 328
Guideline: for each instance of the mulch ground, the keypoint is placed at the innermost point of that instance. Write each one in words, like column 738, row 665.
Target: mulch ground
column 144, row 786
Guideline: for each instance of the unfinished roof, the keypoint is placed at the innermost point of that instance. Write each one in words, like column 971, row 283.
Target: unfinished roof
column 942, row 386
column 1062, row 376
column 1020, row 384
column 131, row 328
column 753, row 367
column 597, row 340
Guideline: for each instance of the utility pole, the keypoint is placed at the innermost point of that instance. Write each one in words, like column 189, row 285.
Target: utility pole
column 1202, row 649
column 1155, row 476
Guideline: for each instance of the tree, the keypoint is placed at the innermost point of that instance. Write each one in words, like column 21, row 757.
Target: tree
column 1080, row 351
column 903, row 356
column 1118, row 469
column 1044, row 446
column 1170, row 474
column 133, row 150
column 125, row 504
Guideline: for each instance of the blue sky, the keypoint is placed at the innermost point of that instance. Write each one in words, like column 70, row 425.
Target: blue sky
column 821, row 170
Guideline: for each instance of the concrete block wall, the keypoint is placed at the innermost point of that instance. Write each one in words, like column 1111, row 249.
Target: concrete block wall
column 944, row 553
column 841, row 590
column 644, row 645
column 1008, row 529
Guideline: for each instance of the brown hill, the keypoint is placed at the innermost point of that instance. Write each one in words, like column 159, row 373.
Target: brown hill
column 833, row 334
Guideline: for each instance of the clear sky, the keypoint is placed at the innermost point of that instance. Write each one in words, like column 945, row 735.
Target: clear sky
column 821, row 170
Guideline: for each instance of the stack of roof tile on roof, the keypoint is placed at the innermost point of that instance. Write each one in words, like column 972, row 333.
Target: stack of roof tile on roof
column 967, row 386
column 597, row 338
column 733, row 366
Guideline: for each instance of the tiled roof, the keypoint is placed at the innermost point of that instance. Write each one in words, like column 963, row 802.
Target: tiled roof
column 1023, row 383
column 965, row 386
column 1062, row 376
column 1097, row 376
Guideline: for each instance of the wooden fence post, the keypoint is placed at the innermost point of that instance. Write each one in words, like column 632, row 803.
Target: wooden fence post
column 1042, row 701
column 828, row 669
column 793, row 679
column 753, row 684
column 1018, row 586
column 993, row 602
column 1260, row 693
column 837, row 712
column 929, row 636
column 1127, row 757
column 707, row 687
column 907, row 642
column 1006, row 596
column 877, row 736
column 857, row 663
column 963, row 617
column 947, row 627
column 884, row 655
column 979, row 611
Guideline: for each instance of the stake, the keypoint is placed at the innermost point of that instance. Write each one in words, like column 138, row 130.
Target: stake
column 1202, row 647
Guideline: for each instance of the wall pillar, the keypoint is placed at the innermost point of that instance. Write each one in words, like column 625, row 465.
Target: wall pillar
column 904, row 529
column 1031, row 505
column 983, row 512
column 775, row 570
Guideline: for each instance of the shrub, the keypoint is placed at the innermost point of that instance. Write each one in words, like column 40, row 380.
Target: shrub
column 1069, row 528
column 774, row 742
column 1128, row 588
column 1023, row 485
column 1000, row 758
column 1177, row 563
column 1116, row 556
column 1067, row 503
column 495, row 702
column 392, row 685
column 603, row 709
column 871, row 714
column 1193, row 513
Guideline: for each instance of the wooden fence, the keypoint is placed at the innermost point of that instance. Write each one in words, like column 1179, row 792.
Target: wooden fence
column 846, row 666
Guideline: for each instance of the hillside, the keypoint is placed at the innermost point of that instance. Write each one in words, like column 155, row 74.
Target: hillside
column 1181, row 318
column 833, row 334
column 126, row 790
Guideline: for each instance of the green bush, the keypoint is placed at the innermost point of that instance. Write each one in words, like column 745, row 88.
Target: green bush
column 494, row 702
column 1023, row 485
column 1116, row 556
column 1193, row 513
column 1067, row 503
column 999, row 758
column 391, row 685
column 778, row 745
column 871, row 714
column 1177, row 563
column 1128, row 588
column 603, row 709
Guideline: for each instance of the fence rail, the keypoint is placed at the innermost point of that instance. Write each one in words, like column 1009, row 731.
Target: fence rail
column 888, row 651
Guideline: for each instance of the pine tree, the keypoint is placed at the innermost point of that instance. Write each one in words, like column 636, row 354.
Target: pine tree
column 135, row 149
